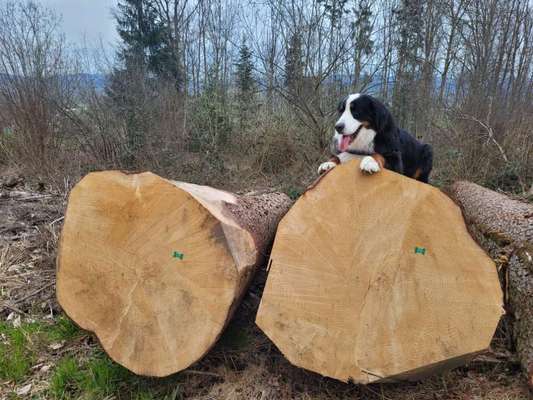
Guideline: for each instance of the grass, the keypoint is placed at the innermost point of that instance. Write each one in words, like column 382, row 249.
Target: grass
column 15, row 355
column 63, row 329
column 241, row 366
column 99, row 377
column 20, row 346
column 95, row 378
column 93, row 375
column 67, row 378
column 294, row 192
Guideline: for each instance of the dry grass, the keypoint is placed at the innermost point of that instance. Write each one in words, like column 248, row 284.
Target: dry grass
column 28, row 240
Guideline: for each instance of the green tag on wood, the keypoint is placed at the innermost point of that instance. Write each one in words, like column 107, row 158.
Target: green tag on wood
column 177, row 254
column 420, row 250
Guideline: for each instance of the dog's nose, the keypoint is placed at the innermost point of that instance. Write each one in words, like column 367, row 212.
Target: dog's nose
column 339, row 127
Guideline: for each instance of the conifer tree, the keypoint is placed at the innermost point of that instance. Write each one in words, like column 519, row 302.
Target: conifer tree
column 244, row 81
column 244, row 72
column 141, row 33
column 294, row 63
column 147, row 42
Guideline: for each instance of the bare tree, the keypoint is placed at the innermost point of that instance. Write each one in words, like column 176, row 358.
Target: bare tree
column 37, row 81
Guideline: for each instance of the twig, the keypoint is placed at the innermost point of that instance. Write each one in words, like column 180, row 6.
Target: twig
column 34, row 292
column 195, row 372
column 56, row 220
column 12, row 308
column 490, row 134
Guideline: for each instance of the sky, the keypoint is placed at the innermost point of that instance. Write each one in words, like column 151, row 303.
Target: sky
column 86, row 22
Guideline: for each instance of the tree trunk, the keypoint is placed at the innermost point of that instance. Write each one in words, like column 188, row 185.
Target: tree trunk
column 377, row 278
column 505, row 228
column 155, row 268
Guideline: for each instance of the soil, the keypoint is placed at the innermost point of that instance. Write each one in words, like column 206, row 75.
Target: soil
column 29, row 227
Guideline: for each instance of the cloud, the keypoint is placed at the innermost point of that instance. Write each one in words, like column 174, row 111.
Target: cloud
column 86, row 22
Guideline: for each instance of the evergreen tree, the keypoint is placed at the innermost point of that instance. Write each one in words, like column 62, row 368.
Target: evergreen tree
column 211, row 117
column 147, row 56
column 362, row 36
column 362, row 27
column 147, row 40
column 128, row 86
column 294, row 63
column 244, row 81
column 409, row 44
column 335, row 10
column 127, row 92
column 244, row 72
column 141, row 34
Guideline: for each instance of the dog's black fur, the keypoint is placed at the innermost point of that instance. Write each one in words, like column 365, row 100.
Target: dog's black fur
column 402, row 152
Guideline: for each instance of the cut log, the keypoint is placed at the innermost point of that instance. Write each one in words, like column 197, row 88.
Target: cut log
column 505, row 228
column 376, row 278
column 155, row 268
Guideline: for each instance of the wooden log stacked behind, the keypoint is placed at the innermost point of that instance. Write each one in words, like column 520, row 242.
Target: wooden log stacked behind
column 505, row 227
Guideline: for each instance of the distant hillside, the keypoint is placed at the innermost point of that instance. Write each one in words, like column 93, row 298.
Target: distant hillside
column 96, row 80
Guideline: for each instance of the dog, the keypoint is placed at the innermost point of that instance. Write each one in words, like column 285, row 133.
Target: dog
column 366, row 129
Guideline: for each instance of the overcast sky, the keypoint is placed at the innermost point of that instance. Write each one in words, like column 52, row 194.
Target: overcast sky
column 86, row 21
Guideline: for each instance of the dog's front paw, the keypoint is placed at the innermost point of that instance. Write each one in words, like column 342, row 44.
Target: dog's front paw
column 324, row 167
column 369, row 165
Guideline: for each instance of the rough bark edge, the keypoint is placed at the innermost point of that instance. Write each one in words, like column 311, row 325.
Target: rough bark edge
column 272, row 207
column 504, row 228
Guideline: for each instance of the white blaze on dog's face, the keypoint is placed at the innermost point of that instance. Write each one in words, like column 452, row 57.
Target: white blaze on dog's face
column 352, row 132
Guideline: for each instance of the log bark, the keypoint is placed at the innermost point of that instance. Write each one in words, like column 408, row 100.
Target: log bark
column 156, row 268
column 505, row 228
column 376, row 278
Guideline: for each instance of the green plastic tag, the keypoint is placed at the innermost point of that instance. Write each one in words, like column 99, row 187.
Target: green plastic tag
column 177, row 254
column 420, row 250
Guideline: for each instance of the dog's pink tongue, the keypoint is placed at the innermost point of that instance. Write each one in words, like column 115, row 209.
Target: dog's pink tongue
column 345, row 142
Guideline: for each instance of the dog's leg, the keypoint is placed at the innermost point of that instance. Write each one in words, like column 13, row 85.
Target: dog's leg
column 326, row 166
column 393, row 161
column 427, row 162
column 424, row 175
column 373, row 163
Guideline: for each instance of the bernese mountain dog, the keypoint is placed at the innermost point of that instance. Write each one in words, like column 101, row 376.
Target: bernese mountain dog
column 366, row 129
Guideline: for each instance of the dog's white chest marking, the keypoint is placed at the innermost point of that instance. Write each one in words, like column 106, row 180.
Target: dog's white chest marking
column 345, row 157
column 364, row 142
column 369, row 165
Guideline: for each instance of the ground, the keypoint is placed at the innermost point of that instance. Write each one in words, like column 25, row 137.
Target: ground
column 44, row 355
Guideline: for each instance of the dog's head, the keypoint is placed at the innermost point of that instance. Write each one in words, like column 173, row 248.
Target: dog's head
column 361, row 118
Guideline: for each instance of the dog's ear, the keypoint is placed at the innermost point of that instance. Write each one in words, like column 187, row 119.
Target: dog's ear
column 342, row 104
column 382, row 117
